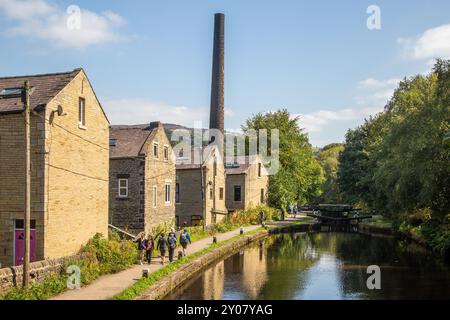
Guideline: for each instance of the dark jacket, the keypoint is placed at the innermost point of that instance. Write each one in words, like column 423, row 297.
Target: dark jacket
column 172, row 240
column 142, row 243
column 162, row 244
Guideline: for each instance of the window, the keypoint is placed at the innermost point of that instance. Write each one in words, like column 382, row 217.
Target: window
column 155, row 150
column 155, row 196
column 221, row 193
column 215, row 167
column 167, row 193
column 259, row 169
column 81, row 112
column 166, row 153
column 177, row 193
column 123, row 188
column 11, row 92
column 112, row 142
column 210, row 192
column 237, row 193
column 262, row 195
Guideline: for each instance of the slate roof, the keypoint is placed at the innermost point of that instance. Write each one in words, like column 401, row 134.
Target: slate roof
column 44, row 87
column 186, row 163
column 129, row 139
column 242, row 165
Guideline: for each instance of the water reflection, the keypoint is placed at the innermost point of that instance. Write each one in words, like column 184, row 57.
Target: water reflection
column 321, row 266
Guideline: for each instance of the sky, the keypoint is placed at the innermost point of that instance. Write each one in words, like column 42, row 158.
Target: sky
column 151, row 60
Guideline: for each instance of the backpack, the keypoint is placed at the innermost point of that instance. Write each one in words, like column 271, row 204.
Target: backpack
column 172, row 241
column 183, row 238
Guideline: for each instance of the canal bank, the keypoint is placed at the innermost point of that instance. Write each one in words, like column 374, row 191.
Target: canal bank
column 162, row 287
column 319, row 265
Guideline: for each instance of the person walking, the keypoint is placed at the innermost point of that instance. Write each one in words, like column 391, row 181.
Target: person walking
column 162, row 246
column 141, row 244
column 172, row 242
column 185, row 238
column 150, row 245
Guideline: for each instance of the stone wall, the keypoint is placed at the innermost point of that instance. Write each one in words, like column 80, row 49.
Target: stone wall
column 232, row 181
column 77, row 171
column 40, row 270
column 12, row 177
column 158, row 172
column 254, row 184
column 190, row 202
column 164, row 286
column 127, row 212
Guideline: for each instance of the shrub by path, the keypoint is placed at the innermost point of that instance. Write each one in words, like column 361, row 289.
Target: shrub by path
column 109, row 285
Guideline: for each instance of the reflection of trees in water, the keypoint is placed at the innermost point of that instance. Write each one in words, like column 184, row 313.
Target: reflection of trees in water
column 287, row 256
column 405, row 272
column 283, row 265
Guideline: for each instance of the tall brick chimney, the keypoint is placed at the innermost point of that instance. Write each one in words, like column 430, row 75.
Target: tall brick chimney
column 216, row 116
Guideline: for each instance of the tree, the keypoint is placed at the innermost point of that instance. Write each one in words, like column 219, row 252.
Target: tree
column 328, row 158
column 399, row 160
column 300, row 175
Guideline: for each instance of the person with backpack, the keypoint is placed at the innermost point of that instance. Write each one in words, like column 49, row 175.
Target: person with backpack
column 149, row 249
column 141, row 244
column 185, row 238
column 162, row 246
column 172, row 241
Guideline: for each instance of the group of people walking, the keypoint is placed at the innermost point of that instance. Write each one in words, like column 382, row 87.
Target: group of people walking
column 163, row 244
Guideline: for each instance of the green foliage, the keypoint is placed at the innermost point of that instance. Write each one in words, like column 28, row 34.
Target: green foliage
column 397, row 163
column 142, row 284
column 251, row 216
column 38, row 291
column 328, row 158
column 99, row 256
column 300, row 175
column 398, row 160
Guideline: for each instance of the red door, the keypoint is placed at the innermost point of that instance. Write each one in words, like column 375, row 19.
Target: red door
column 19, row 246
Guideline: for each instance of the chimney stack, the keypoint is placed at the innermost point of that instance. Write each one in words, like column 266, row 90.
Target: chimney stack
column 216, row 116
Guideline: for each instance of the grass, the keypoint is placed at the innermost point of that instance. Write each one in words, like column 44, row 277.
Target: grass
column 142, row 284
column 100, row 256
column 379, row 221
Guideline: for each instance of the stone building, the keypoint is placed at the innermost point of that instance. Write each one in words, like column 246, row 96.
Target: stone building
column 200, row 187
column 246, row 183
column 142, row 177
column 69, row 166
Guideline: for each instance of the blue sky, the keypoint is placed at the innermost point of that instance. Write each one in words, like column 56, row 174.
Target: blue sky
column 151, row 60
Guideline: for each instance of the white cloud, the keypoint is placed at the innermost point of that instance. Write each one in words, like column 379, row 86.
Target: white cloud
column 433, row 43
column 319, row 120
column 136, row 111
column 374, row 93
column 228, row 112
column 42, row 20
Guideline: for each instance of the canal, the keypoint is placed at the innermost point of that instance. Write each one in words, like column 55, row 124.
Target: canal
column 321, row 266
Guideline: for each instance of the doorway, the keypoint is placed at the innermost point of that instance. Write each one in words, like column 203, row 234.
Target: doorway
column 19, row 243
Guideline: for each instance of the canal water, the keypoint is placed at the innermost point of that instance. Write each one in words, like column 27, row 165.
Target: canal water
column 321, row 266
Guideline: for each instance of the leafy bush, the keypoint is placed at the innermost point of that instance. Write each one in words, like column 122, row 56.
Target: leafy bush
column 99, row 256
column 251, row 216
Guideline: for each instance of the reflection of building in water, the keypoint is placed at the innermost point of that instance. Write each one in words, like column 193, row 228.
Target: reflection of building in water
column 252, row 268
column 211, row 283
